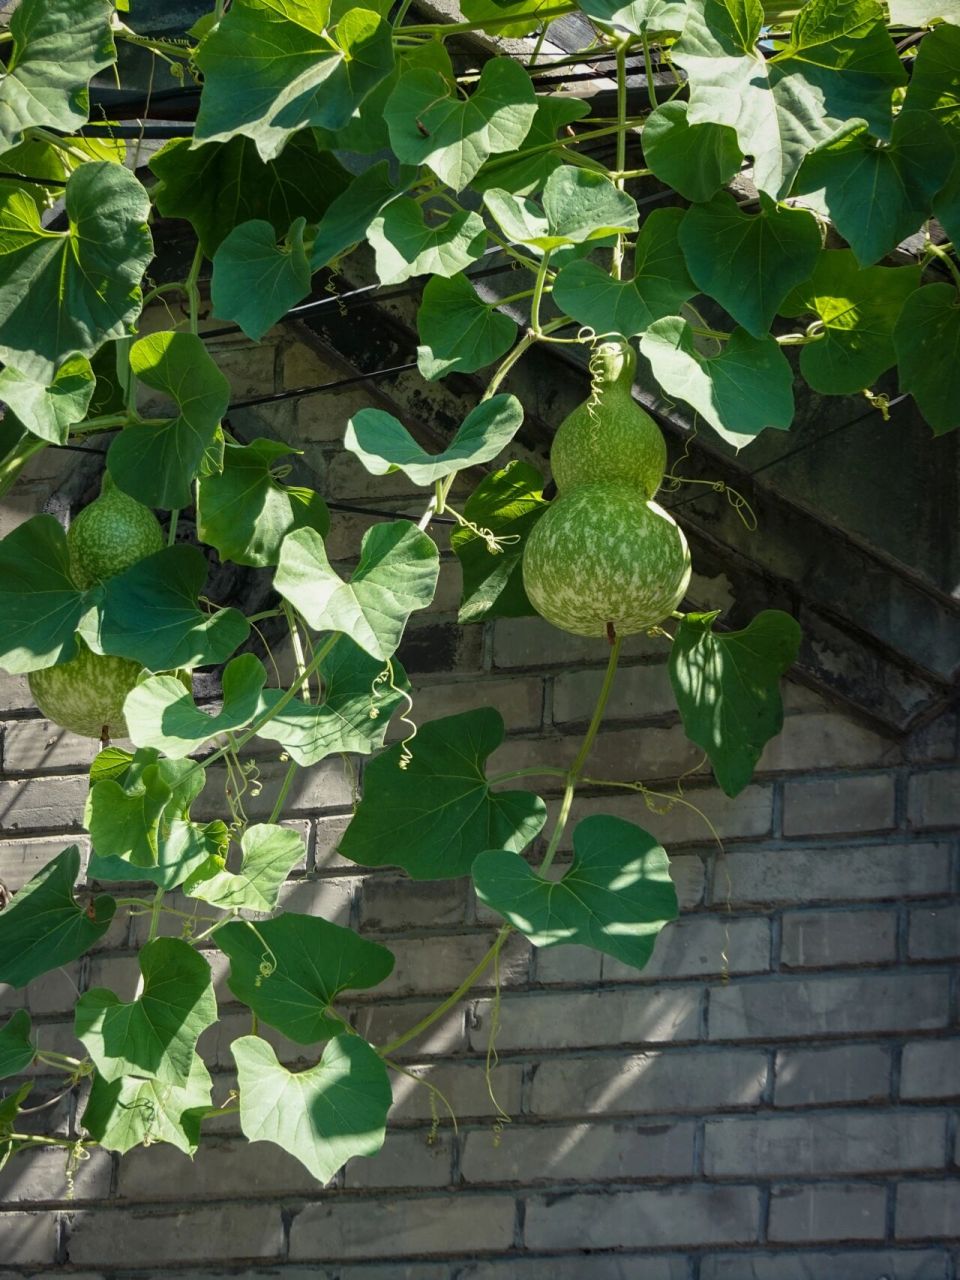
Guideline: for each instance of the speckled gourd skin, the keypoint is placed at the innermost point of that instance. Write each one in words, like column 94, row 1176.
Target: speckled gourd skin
column 110, row 535
column 609, row 439
column 86, row 694
column 605, row 554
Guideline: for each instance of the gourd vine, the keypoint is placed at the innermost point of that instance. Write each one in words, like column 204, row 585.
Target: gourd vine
column 722, row 238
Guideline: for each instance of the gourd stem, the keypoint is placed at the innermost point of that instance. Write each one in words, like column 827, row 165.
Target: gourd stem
column 192, row 289
column 648, row 67
column 525, row 343
column 538, row 292
column 617, row 260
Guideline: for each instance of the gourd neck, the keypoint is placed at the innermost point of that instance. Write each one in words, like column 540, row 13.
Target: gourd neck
column 613, row 366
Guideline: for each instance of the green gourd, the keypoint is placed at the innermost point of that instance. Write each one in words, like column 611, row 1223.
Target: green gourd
column 110, row 535
column 86, row 694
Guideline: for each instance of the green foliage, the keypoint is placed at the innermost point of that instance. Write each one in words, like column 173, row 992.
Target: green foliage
column 40, row 606
column 255, row 280
column 459, row 332
column 49, row 410
column 16, row 1049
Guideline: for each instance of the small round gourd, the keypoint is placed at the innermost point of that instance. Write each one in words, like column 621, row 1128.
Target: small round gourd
column 603, row 554
column 86, row 694
column 110, row 535
column 609, row 439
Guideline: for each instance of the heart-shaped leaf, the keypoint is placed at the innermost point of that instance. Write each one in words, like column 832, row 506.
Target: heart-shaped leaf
column 927, row 339
column 131, row 1112
column 44, row 927
column 524, row 171
column 435, row 816
column 161, row 713
column 324, row 1116
column 459, row 332
column 154, row 1036
column 695, row 159
column 270, row 853
column 396, row 574
column 40, row 607
column 16, row 1049
column 255, row 280
column 639, row 17
column 616, row 897
column 289, row 971
column 406, row 245
column 727, row 687
column 579, row 206
column 182, row 848
column 49, row 411
column 349, row 216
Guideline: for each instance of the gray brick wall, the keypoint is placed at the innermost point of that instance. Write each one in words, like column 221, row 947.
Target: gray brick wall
column 774, row 1098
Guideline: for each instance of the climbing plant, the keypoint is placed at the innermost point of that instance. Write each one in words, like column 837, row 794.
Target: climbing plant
column 768, row 177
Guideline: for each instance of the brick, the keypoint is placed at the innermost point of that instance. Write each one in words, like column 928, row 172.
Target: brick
column 440, row 646
column 113, row 1237
column 832, row 939
column 562, row 1020
column 843, row 874
column 55, row 992
column 350, row 481
column 15, row 692
column 383, row 1023
column 934, row 742
column 928, row 1210
column 622, row 754
column 440, row 964
column 824, row 1143
column 392, row 1271
column 28, row 1237
column 645, row 1083
column 520, row 701
column 531, row 642
column 20, row 860
column 464, row 1085
column 583, row 1267
column 407, row 1159
column 328, row 832
column 793, row 1008
column 832, row 806
column 825, row 741
column 848, row 1265
column 396, row 1227
column 35, row 1176
column 578, row 1153
column 846, row 1073
column 326, row 896
column 747, row 815
column 43, row 804
column 222, row 1169
column 37, row 746
column 930, row 1069
column 933, row 799
column 689, row 1215
column 325, row 786
column 639, row 693
column 830, row 1212
column 935, row 933
column 694, row 946
column 249, row 369
column 571, row 964
column 388, row 902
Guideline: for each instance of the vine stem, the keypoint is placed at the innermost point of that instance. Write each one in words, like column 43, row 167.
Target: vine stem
column 648, row 68
column 938, row 251
column 616, row 265
column 192, row 290
column 445, row 29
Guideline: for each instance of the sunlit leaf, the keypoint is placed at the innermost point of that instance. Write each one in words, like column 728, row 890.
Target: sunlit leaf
column 525, row 171
column 269, row 854
column 346, row 221
column 130, row 1111
column 459, row 332
column 406, row 244
column 695, row 159
column 40, row 607
column 579, row 206
column 638, row 17
column 50, row 410
column 161, row 713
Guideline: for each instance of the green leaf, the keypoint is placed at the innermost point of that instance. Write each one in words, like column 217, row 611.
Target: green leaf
column 384, row 445
column 269, row 855
column 223, row 184
column 43, row 927
column 946, row 205
column 324, row 1116
column 154, row 1036
column 524, row 171
column 255, row 280
column 935, row 79
column 271, row 67
column 579, row 206
column 158, row 464
column 727, row 687
column 245, row 511
column 125, row 817
column 9, row 1109
column 659, row 287
column 353, row 716
column 58, row 45
column 291, row 969
column 366, row 131
column 840, row 64
column 16, row 1050
column 406, row 245
column 749, row 263
column 616, row 897
column 150, row 613
column 858, row 308
column 182, row 848
column 131, row 1112
column 435, row 816
column 927, row 339
column 639, row 17
column 396, row 574
column 50, row 411
column 161, row 713
column 430, row 123
column 740, row 392
column 349, row 216
column 66, row 293
column 495, row 11
column 40, row 607
column 459, row 332
column 695, row 159
column 508, row 503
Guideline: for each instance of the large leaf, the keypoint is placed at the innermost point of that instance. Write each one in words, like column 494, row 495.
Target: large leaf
column 396, row 574
column 324, row 1116
column 157, row 463
column 346, row 221
column 695, row 159
column 740, row 392
column 435, row 816
column 44, row 927
column 507, row 504
column 256, row 281
column 459, row 332
column 749, row 263
column 383, row 444
column 49, row 411
column 839, row 64
column 245, row 510
column 727, row 687
column 430, row 123
column 353, row 716
column 221, row 185
column 16, row 1049
column 858, row 308
column 616, row 897
column 579, row 206
column 407, row 245
column 151, row 614
column 40, row 607
column 526, row 15
column 270, row 853
column 366, row 131
column 935, row 79
column 161, row 713
column 927, row 339
column 154, row 1036
column 289, row 971
column 131, row 1112
column 9, row 1109
column 58, row 45
column 525, row 171
column 638, row 17
column 271, row 67
column 63, row 293
column 659, row 287
column 182, row 848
